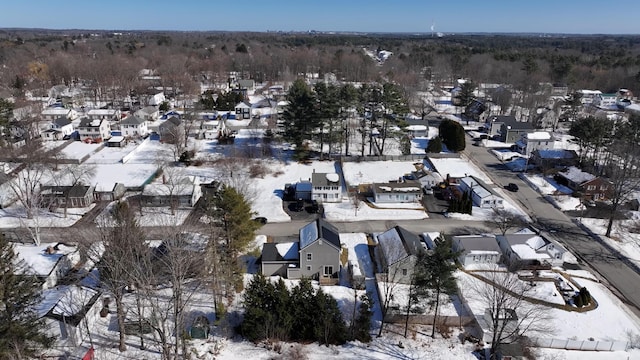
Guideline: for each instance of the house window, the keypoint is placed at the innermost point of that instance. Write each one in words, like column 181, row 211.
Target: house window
column 404, row 272
column 309, row 256
column 591, row 187
column 603, row 187
column 328, row 270
column 308, row 267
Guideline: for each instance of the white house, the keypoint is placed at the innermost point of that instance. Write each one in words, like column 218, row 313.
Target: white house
column 482, row 195
column 58, row 129
column 404, row 192
column 427, row 179
column 94, row 130
column 477, row 249
column 69, row 312
column 605, row 101
column 243, row 111
column 523, row 249
column 51, row 114
column 588, row 96
column 397, row 252
column 133, row 126
column 182, row 191
column 153, row 97
column 326, row 187
column 103, row 114
column 539, row 140
column 49, row 262
column 148, row 113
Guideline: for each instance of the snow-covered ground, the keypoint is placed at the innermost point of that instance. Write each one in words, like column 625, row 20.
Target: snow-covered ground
column 622, row 239
column 558, row 194
column 369, row 172
column 458, row 168
column 15, row 216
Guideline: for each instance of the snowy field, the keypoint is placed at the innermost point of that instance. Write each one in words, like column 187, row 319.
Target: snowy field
column 15, row 216
column 622, row 239
column 553, row 191
column 111, row 155
column 346, row 211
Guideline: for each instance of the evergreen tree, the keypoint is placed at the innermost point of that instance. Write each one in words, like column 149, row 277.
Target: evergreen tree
column 452, row 134
column 434, row 271
column 300, row 117
column 231, row 207
column 434, row 146
column 259, row 321
column 362, row 323
column 330, row 328
column 22, row 331
column 405, row 145
column 304, row 309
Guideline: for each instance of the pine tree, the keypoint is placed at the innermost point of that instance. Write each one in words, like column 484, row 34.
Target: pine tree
column 362, row 323
column 330, row 328
column 434, row 146
column 436, row 270
column 304, row 308
column 22, row 332
column 577, row 300
column 259, row 321
column 300, row 117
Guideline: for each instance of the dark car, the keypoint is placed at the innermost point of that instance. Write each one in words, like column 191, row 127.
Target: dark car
column 260, row 220
column 512, row 187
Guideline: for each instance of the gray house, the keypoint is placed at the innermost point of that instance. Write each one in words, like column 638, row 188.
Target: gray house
column 316, row 255
column 524, row 250
column 397, row 252
column 320, row 251
column 512, row 130
column 276, row 259
column 477, row 249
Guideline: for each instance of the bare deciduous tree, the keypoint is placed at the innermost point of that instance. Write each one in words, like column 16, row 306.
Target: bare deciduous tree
column 503, row 220
column 508, row 314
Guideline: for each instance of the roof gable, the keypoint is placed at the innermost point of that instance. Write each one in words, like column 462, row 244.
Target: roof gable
column 319, row 229
column 132, row 120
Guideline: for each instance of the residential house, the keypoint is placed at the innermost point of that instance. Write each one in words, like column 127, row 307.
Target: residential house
column 170, row 129
column 401, row 192
column 523, row 250
column 277, row 258
column 397, row 252
column 50, row 114
column 243, row 110
column 148, row 113
column 605, row 101
column 477, row 249
column 482, row 194
column 319, row 252
column 209, row 129
column 94, row 130
column 427, row 179
column 69, row 313
column 179, row 192
column 538, row 140
column 249, row 85
column 551, row 158
column 133, row 126
column 48, row 262
column 109, row 191
column 152, row 97
column 512, row 130
column 588, row 96
column 590, row 187
column 59, row 128
column 104, row 114
column 326, row 187
column 77, row 196
column 494, row 124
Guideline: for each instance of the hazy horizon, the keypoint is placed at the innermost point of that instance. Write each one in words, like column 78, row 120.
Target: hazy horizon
column 409, row 16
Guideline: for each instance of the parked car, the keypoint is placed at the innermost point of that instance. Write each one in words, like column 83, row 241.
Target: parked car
column 512, row 187
column 260, row 220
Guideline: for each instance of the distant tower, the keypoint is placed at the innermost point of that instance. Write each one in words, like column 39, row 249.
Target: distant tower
column 433, row 28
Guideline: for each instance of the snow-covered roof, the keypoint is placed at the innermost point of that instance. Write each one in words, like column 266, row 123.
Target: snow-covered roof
column 392, row 246
column 539, row 135
column 182, row 186
column 36, row 258
column 478, row 187
column 576, row 175
column 68, row 302
column 416, row 128
column 101, row 112
column 526, row 252
column 288, row 250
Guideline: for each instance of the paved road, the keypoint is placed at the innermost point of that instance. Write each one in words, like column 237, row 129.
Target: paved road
column 622, row 278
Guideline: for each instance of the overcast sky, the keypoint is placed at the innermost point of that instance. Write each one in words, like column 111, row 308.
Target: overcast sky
column 448, row 16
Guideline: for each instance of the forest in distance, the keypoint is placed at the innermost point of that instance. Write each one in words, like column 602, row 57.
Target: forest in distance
column 37, row 59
